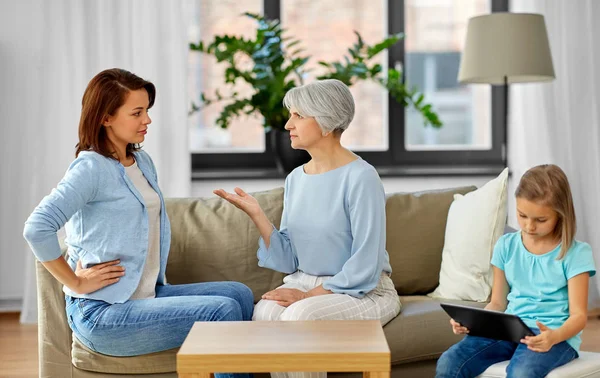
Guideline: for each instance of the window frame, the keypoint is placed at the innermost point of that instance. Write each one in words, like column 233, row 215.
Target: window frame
column 397, row 160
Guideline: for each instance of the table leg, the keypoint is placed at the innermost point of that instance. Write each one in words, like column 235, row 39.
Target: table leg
column 376, row 374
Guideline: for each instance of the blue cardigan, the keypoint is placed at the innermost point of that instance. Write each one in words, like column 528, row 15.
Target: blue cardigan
column 106, row 219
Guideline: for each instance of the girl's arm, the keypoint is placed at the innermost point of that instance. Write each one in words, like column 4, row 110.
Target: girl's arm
column 578, row 301
column 499, row 291
column 497, row 303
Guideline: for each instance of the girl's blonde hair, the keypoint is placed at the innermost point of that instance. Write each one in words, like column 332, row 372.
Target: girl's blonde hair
column 548, row 185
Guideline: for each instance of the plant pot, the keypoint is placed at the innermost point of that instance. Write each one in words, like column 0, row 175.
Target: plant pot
column 286, row 158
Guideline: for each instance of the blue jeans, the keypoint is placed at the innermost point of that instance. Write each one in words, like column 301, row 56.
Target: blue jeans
column 473, row 355
column 151, row 325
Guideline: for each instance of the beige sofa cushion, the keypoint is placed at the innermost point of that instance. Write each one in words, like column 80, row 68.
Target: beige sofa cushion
column 422, row 330
column 416, row 223
column 221, row 241
column 86, row 359
column 213, row 240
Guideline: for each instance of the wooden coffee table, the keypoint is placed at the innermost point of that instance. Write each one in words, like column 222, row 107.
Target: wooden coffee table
column 262, row 347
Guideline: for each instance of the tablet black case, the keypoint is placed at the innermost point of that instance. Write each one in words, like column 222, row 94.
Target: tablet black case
column 491, row 324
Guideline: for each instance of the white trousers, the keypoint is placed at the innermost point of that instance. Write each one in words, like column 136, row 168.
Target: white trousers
column 382, row 303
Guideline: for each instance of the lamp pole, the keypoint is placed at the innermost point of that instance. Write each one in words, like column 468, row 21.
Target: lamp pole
column 505, row 147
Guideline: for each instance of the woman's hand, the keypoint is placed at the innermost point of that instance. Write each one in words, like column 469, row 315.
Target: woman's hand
column 97, row 277
column 542, row 342
column 241, row 200
column 285, row 297
column 457, row 328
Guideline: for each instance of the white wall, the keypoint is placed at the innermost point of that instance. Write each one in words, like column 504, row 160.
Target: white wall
column 20, row 51
column 391, row 184
column 21, row 25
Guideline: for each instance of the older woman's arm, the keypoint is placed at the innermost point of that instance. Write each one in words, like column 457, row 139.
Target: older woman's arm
column 275, row 252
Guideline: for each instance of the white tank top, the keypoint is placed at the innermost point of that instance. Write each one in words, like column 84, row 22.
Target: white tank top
column 147, row 286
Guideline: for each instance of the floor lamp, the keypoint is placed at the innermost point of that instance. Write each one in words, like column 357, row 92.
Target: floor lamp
column 506, row 48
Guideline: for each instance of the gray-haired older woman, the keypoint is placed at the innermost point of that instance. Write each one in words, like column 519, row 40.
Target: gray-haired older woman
column 332, row 235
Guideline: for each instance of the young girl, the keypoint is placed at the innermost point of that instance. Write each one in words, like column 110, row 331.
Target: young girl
column 118, row 234
column 541, row 274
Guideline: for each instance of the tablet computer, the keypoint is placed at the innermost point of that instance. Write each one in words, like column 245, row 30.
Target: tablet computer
column 486, row 323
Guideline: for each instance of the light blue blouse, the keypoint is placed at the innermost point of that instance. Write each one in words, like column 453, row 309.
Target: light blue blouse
column 333, row 224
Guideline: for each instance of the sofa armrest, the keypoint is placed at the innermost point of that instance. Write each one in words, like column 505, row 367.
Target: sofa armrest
column 54, row 334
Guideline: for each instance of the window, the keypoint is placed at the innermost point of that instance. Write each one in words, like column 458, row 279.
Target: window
column 383, row 132
column 326, row 31
column 208, row 18
column 435, row 35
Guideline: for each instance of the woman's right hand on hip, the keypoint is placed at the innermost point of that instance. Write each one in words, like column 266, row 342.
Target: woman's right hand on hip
column 241, row 200
column 457, row 328
column 97, row 276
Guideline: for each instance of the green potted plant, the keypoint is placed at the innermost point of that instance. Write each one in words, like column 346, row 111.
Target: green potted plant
column 279, row 67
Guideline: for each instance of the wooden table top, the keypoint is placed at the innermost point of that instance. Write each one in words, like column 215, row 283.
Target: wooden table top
column 266, row 346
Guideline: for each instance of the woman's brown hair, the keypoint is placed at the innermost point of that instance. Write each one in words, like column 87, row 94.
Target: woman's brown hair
column 106, row 93
column 548, row 185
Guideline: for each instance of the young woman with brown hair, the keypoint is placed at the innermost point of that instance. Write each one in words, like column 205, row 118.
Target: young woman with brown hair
column 118, row 234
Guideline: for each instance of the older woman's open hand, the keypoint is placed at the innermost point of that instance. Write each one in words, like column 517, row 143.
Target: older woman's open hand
column 241, row 200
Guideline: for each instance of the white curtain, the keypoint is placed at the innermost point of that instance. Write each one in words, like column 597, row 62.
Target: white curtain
column 75, row 40
column 559, row 122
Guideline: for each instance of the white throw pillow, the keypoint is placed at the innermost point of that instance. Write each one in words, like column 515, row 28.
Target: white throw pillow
column 475, row 222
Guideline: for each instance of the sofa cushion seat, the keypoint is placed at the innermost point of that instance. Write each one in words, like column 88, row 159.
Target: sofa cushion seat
column 587, row 365
column 422, row 330
column 213, row 240
column 86, row 359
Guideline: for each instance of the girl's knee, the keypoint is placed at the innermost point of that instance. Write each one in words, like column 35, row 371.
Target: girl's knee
column 444, row 364
column 452, row 364
column 525, row 369
column 520, row 372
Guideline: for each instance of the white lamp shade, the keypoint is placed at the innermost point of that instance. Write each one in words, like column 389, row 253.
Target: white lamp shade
column 511, row 45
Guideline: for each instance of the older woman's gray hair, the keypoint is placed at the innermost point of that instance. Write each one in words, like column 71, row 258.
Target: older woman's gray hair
column 329, row 102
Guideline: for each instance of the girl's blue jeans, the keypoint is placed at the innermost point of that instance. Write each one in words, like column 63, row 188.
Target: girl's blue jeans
column 151, row 325
column 473, row 355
